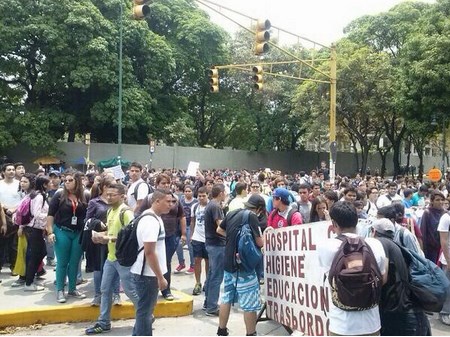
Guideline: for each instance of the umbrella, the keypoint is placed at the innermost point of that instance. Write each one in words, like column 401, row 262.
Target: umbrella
column 47, row 160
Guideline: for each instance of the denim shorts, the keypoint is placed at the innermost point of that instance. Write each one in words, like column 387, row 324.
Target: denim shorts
column 199, row 249
column 246, row 290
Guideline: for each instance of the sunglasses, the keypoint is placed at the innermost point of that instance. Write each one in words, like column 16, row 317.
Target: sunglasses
column 68, row 180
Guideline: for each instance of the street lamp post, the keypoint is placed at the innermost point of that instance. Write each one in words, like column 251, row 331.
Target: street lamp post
column 87, row 140
column 444, row 129
column 119, row 121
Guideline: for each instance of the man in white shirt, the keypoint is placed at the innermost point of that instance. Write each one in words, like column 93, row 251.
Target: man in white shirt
column 150, row 266
column 443, row 229
column 138, row 188
column 9, row 200
column 389, row 197
column 366, row 322
column 198, row 238
column 241, row 195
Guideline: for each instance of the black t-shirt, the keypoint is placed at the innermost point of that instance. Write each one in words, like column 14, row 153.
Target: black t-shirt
column 213, row 212
column 62, row 211
column 232, row 224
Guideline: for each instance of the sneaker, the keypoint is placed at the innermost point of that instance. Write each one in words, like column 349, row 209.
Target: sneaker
column 444, row 318
column 212, row 314
column 197, row 289
column 96, row 329
column 223, row 332
column 190, row 271
column 179, row 268
column 76, row 294
column 96, row 301
column 116, row 300
column 33, row 287
column 18, row 283
column 60, row 297
column 168, row 297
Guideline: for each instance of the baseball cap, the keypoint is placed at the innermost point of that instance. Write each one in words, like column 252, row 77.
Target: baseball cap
column 55, row 172
column 255, row 201
column 384, row 226
column 281, row 193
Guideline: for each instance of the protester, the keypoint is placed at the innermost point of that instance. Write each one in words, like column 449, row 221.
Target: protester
column 149, row 269
column 239, row 284
column 365, row 322
column 65, row 222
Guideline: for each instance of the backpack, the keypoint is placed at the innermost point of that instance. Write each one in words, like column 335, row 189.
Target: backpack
column 289, row 216
column 23, row 213
column 248, row 254
column 427, row 282
column 136, row 188
column 127, row 247
column 354, row 276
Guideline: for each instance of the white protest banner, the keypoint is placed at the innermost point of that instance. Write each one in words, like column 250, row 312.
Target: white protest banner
column 192, row 168
column 117, row 171
column 296, row 293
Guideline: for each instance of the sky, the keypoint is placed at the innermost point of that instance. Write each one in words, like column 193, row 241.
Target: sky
column 322, row 21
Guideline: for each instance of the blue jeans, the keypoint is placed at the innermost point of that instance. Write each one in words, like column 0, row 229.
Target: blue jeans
column 172, row 243
column 180, row 252
column 98, row 282
column 147, row 290
column 112, row 271
column 446, row 307
column 214, row 278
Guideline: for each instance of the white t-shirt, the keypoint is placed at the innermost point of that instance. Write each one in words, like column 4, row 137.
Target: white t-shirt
column 9, row 194
column 199, row 230
column 444, row 226
column 141, row 193
column 383, row 200
column 352, row 322
column 150, row 229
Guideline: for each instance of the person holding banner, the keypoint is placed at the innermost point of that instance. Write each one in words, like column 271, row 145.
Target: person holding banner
column 238, row 284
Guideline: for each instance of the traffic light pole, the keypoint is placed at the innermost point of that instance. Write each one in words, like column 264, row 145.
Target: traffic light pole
column 119, row 120
column 332, row 111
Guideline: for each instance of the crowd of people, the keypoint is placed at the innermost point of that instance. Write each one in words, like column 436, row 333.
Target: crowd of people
column 76, row 215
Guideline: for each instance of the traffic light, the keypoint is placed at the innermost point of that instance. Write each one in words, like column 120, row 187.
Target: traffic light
column 262, row 37
column 213, row 80
column 258, row 77
column 140, row 9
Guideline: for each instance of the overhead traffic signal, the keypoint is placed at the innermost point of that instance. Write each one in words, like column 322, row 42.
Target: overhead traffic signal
column 262, row 37
column 140, row 9
column 213, row 74
column 257, row 77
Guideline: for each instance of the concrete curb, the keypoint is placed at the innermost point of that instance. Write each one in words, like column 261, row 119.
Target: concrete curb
column 181, row 306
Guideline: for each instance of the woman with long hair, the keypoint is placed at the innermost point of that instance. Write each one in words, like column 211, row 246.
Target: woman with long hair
column 65, row 221
column 34, row 231
column 319, row 210
column 26, row 186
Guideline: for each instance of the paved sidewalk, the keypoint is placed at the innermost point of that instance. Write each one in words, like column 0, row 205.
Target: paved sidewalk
column 194, row 323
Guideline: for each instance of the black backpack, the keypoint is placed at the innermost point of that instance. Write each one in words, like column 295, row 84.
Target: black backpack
column 136, row 188
column 127, row 247
column 354, row 276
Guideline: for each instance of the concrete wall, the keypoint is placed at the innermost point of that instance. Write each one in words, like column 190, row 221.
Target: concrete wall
column 179, row 157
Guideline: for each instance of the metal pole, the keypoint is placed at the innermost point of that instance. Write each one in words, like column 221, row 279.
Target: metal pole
column 332, row 110
column 443, row 145
column 119, row 122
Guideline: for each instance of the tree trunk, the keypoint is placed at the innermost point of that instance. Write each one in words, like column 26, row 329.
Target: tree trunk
column 396, row 156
